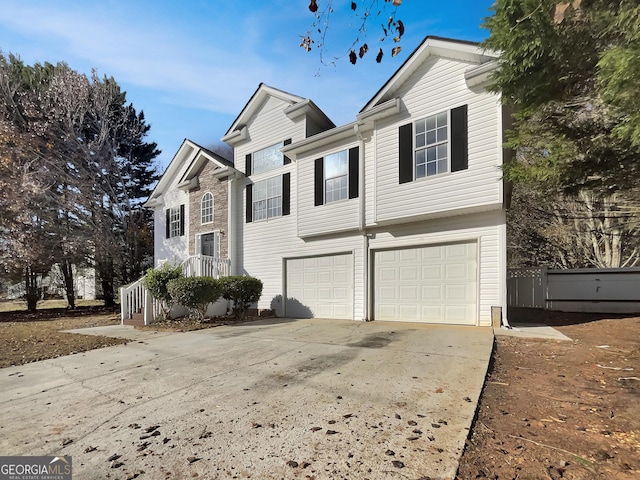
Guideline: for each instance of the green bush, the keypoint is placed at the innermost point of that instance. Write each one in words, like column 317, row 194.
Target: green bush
column 156, row 281
column 243, row 291
column 195, row 293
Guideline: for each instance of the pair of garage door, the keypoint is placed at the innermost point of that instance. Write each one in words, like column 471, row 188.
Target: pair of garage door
column 431, row 284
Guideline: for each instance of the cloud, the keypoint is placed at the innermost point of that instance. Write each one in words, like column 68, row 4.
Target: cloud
column 191, row 70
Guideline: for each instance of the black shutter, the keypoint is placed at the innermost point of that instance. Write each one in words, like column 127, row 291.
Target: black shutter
column 182, row 220
column 286, row 194
column 354, row 161
column 405, row 153
column 247, row 165
column 459, row 139
column 168, row 225
column 249, row 205
column 318, row 181
column 286, row 159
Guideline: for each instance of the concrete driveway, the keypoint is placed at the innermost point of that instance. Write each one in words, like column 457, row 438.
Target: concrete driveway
column 271, row 399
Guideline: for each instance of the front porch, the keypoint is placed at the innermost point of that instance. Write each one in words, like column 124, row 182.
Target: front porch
column 138, row 308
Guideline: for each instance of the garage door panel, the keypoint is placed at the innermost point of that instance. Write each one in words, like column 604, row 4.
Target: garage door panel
column 387, row 274
column 432, row 272
column 409, row 293
column 433, row 284
column 432, row 293
column 409, row 273
column 320, row 287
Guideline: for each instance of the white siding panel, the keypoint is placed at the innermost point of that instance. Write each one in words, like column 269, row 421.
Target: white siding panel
column 262, row 248
column 176, row 249
column 267, row 127
column 324, row 219
column 435, row 87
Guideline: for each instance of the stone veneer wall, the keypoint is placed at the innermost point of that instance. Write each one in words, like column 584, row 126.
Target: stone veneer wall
column 218, row 187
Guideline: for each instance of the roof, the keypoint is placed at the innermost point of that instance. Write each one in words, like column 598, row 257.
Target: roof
column 264, row 91
column 463, row 50
column 197, row 156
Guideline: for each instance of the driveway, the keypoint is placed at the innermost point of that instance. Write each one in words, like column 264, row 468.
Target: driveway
column 271, row 399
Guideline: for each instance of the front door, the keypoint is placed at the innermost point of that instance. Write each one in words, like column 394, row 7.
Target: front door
column 210, row 244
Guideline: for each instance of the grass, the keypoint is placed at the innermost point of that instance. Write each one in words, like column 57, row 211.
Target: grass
column 21, row 306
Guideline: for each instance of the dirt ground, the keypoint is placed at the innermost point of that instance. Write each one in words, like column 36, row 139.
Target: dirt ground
column 549, row 410
column 26, row 337
column 561, row 410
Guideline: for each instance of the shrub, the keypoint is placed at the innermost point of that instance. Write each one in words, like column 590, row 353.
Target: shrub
column 195, row 293
column 156, row 281
column 243, row 291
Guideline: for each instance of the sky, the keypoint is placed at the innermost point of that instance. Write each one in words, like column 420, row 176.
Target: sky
column 192, row 65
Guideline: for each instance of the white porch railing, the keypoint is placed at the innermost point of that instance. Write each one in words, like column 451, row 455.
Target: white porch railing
column 205, row 266
column 135, row 299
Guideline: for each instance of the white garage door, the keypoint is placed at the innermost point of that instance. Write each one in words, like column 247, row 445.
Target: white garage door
column 320, row 287
column 431, row 284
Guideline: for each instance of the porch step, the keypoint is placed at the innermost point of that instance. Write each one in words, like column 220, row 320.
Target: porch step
column 136, row 320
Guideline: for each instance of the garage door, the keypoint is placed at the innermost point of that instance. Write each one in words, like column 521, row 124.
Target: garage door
column 431, row 284
column 320, row 287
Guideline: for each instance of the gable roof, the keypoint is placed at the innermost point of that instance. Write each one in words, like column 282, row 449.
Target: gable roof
column 433, row 46
column 197, row 156
column 264, row 91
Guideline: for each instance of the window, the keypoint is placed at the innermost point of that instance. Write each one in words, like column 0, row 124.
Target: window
column 174, row 222
column 432, row 145
column 206, row 208
column 336, row 177
column 267, row 198
column 267, row 159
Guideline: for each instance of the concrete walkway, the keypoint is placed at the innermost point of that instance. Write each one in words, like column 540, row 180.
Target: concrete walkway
column 271, row 399
column 532, row 330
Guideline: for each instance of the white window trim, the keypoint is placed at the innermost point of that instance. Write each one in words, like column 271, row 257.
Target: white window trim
column 174, row 222
column 254, row 200
column 202, row 222
column 324, row 180
column 277, row 147
column 424, row 147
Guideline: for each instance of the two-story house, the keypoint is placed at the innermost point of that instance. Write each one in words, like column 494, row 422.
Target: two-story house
column 398, row 215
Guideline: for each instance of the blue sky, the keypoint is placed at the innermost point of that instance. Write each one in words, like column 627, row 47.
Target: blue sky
column 192, row 65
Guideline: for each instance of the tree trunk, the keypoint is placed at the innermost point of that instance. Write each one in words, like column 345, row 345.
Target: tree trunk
column 32, row 290
column 107, row 274
column 67, row 275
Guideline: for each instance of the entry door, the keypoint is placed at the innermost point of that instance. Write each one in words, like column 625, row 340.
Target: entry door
column 210, row 244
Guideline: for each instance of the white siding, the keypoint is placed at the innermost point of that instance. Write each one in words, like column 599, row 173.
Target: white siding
column 267, row 127
column 263, row 247
column 324, row 219
column 483, row 228
column 175, row 249
column 437, row 86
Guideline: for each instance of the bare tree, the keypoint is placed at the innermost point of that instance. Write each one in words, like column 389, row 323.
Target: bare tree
column 382, row 13
column 586, row 230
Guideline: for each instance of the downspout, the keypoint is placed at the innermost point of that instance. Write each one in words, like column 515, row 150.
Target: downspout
column 231, row 225
column 362, row 223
